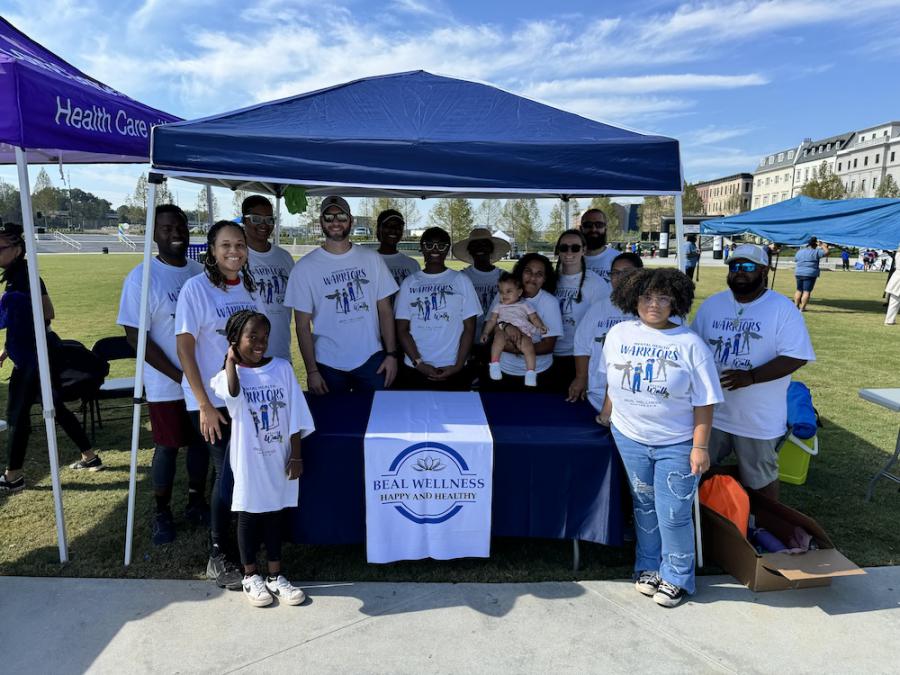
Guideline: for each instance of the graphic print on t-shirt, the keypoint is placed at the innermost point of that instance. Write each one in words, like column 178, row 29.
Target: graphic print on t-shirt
column 346, row 289
column 431, row 301
column 646, row 368
column 271, row 284
column 266, row 405
column 225, row 311
column 734, row 343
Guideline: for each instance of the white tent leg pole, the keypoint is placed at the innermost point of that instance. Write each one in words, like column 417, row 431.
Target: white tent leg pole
column 566, row 205
column 210, row 216
column 139, row 365
column 679, row 233
column 277, row 233
column 697, row 530
column 40, row 334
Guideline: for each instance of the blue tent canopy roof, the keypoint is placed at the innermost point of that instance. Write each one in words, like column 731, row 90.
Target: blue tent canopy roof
column 417, row 134
column 872, row 223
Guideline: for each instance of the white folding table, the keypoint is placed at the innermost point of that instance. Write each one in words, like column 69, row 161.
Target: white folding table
column 890, row 399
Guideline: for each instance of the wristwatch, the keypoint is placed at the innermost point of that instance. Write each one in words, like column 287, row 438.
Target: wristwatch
column 396, row 353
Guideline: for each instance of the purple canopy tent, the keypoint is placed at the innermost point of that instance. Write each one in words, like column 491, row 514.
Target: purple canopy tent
column 52, row 112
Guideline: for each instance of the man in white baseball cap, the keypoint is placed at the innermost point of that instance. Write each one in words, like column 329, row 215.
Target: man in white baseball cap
column 758, row 338
column 344, row 291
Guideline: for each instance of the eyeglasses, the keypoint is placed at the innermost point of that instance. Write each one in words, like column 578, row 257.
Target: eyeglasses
column 340, row 217
column 661, row 300
column 565, row 248
column 743, row 267
column 596, row 224
column 440, row 246
column 253, row 219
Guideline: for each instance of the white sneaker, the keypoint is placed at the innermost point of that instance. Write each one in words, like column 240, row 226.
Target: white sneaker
column 255, row 590
column 494, row 370
column 285, row 591
column 530, row 378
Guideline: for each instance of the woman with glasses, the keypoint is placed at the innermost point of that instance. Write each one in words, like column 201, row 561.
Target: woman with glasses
column 538, row 281
column 576, row 291
column 661, row 387
column 591, row 334
column 436, row 311
column 271, row 267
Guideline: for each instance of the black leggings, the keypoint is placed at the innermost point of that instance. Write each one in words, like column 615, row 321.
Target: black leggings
column 256, row 528
column 219, row 503
column 24, row 391
column 163, row 467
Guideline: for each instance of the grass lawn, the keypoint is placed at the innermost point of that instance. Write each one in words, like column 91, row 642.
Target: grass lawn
column 854, row 350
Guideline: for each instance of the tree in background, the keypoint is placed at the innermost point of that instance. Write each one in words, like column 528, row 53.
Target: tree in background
column 137, row 202
column 237, row 198
column 200, row 214
column 309, row 219
column 888, row 188
column 455, row 215
column 574, row 212
column 521, row 220
column 489, row 214
column 10, row 204
column 691, row 203
column 45, row 199
column 651, row 211
column 825, row 185
column 557, row 224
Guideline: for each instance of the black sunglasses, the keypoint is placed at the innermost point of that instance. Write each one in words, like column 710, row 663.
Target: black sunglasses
column 565, row 248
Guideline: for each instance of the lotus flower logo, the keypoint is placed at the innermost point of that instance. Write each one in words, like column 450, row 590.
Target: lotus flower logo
column 429, row 464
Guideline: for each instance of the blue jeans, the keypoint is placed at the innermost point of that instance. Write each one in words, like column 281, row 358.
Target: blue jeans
column 663, row 489
column 361, row 378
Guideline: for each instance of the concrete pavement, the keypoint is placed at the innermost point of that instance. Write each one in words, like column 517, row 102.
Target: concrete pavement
column 137, row 626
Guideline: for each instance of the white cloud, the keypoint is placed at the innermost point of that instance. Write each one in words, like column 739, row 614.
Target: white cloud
column 643, row 84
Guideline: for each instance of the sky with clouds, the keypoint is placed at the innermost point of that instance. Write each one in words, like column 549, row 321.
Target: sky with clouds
column 732, row 80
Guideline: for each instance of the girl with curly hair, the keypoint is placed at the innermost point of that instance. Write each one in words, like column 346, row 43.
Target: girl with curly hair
column 661, row 387
column 204, row 305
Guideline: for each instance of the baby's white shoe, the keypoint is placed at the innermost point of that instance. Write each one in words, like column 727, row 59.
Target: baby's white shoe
column 494, row 370
column 530, row 378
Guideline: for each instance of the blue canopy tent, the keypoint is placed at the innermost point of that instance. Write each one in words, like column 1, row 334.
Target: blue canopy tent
column 416, row 135
column 866, row 223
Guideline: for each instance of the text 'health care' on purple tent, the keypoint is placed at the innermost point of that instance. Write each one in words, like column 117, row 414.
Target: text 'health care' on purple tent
column 52, row 112
column 416, row 134
column 862, row 223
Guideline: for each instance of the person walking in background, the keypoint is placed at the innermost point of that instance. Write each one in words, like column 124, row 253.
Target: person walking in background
column 20, row 348
column 845, row 260
column 892, row 291
column 691, row 255
column 807, row 270
column 661, row 429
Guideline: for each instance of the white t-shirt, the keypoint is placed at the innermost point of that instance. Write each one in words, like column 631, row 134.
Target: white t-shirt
column 400, row 265
column 589, row 338
column 486, row 290
column 436, row 306
column 267, row 411
column 165, row 285
column 601, row 263
column 271, row 271
column 548, row 309
column 655, row 379
column 203, row 311
column 592, row 290
column 342, row 292
column 744, row 336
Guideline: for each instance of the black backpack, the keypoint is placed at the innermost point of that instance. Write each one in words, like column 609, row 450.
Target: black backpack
column 77, row 371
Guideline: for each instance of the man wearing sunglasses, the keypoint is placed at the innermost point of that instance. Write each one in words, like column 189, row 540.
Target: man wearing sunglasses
column 758, row 338
column 598, row 257
column 270, row 266
column 343, row 293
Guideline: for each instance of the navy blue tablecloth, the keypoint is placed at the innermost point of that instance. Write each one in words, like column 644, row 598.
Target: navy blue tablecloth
column 556, row 472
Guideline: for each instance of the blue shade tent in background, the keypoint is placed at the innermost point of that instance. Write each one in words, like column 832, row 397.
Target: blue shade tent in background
column 416, row 134
column 860, row 223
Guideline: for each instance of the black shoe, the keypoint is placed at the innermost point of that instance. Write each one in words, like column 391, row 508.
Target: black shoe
column 224, row 572
column 11, row 486
column 92, row 464
column 197, row 515
column 669, row 595
column 163, row 528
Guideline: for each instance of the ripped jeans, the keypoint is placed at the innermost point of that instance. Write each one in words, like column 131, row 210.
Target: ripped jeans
column 663, row 489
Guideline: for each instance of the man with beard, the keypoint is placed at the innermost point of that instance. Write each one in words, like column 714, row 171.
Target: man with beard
column 354, row 348
column 770, row 341
column 599, row 256
column 169, row 422
column 389, row 232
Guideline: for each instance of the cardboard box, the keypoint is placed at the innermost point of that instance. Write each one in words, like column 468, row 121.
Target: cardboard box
column 724, row 545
